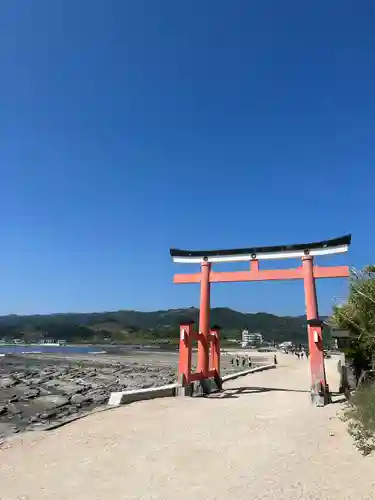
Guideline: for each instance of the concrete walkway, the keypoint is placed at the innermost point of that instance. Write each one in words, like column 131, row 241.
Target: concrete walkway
column 261, row 439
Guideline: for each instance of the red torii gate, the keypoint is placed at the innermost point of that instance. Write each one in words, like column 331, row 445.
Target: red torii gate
column 307, row 271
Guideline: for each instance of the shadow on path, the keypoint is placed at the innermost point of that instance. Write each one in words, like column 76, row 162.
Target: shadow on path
column 238, row 391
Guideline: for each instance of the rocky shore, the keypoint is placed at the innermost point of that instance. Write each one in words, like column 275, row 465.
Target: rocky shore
column 37, row 392
column 40, row 391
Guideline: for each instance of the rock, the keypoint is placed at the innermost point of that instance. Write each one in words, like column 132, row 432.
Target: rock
column 13, row 410
column 35, row 381
column 48, row 414
column 14, row 398
column 98, row 397
column 80, row 398
column 32, row 420
column 32, row 393
column 63, row 414
column 9, row 381
column 53, row 401
column 3, row 410
column 15, row 430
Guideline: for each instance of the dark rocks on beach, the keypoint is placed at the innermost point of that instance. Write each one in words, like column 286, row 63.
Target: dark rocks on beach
column 32, row 393
column 47, row 415
column 6, row 382
column 147, row 386
column 13, row 410
column 37, row 391
column 80, row 399
column 53, row 401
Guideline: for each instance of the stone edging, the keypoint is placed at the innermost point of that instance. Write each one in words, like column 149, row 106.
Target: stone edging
column 124, row 397
column 233, row 376
column 170, row 390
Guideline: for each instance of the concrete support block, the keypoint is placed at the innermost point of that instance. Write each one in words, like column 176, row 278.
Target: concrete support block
column 125, row 397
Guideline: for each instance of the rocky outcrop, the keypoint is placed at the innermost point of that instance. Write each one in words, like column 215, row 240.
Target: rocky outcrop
column 36, row 392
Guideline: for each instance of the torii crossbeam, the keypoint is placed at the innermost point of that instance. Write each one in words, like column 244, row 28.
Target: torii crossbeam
column 307, row 271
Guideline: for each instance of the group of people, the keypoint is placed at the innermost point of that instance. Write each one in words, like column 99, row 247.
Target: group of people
column 300, row 354
column 244, row 361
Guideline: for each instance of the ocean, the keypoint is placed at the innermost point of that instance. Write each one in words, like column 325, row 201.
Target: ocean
column 45, row 349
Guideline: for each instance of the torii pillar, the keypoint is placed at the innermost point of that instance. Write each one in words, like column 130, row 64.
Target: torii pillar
column 204, row 320
column 319, row 387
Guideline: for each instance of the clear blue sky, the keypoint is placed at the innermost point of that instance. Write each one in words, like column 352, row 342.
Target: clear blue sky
column 128, row 127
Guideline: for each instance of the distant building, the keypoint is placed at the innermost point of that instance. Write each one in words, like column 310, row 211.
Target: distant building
column 251, row 338
column 50, row 342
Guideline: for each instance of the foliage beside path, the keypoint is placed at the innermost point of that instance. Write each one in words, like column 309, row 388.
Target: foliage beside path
column 357, row 316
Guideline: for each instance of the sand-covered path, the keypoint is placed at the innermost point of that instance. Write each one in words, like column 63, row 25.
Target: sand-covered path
column 260, row 439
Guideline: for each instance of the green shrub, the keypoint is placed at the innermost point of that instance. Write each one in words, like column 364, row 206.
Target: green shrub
column 361, row 417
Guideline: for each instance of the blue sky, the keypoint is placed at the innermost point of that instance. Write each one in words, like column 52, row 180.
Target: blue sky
column 128, row 127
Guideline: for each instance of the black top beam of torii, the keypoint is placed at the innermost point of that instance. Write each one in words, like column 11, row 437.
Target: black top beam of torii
column 331, row 246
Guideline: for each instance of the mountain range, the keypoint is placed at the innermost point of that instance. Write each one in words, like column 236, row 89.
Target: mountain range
column 156, row 326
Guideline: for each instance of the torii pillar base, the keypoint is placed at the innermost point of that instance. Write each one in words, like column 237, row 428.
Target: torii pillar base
column 319, row 391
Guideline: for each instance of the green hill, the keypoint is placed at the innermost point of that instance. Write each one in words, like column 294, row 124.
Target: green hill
column 138, row 327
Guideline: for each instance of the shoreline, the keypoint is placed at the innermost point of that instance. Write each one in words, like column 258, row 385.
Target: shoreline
column 38, row 391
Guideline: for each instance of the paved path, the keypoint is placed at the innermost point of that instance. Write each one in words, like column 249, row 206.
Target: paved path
column 261, row 439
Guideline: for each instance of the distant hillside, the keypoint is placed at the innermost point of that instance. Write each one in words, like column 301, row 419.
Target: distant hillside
column 136, row 326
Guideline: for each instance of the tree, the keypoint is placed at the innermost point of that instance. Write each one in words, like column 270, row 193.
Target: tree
column 357, row 316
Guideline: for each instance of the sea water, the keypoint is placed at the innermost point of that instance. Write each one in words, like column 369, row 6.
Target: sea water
column 44, row 349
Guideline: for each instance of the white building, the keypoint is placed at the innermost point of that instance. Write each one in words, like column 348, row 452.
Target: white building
column 251, row 338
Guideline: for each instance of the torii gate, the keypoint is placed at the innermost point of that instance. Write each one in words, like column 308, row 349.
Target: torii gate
column 307, row 271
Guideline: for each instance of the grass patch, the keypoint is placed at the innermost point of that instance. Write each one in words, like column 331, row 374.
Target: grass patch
column 361, row 418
